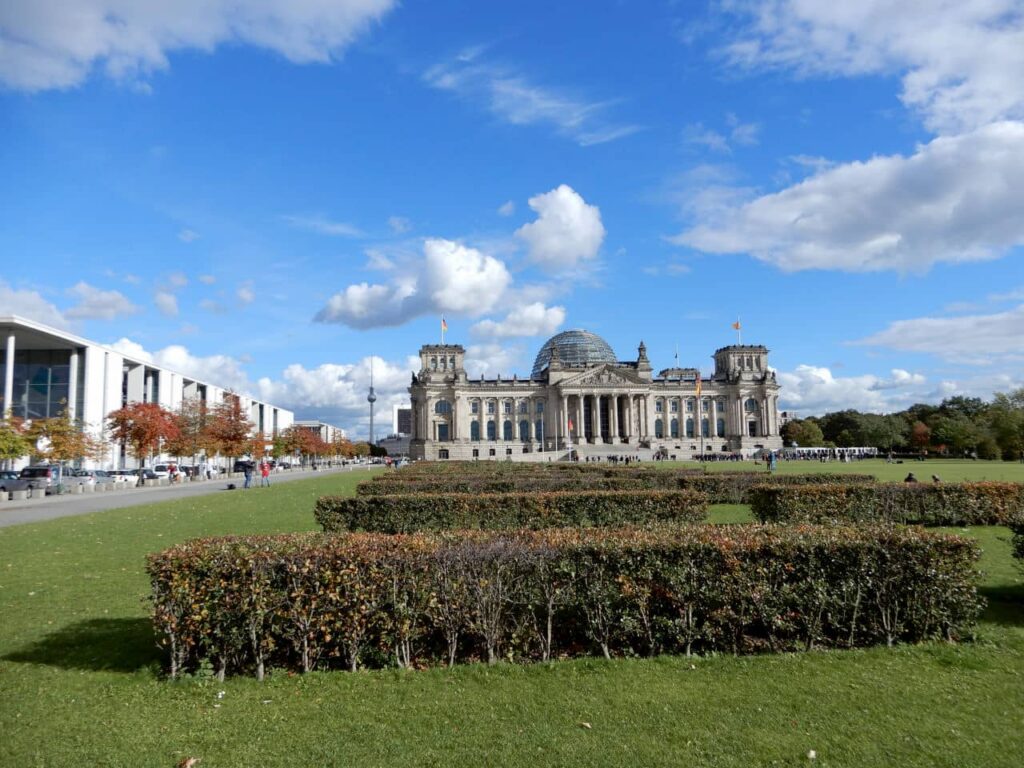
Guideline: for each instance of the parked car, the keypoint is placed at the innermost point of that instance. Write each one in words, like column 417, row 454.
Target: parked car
column 121, row 477
column 45, row 477
column 162, row 470
column 7, row 479
column 147, row 474
column 94, row 476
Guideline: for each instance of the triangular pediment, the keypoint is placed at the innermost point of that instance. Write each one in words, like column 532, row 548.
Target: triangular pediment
column 602, row 376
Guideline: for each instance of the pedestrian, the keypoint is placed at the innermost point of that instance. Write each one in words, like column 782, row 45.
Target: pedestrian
column 248, row 475
column 265, row 474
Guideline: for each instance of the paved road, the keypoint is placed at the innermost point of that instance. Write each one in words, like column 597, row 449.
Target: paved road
column 37, row 510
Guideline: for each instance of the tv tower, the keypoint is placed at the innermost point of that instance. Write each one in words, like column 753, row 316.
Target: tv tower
column 371, row 399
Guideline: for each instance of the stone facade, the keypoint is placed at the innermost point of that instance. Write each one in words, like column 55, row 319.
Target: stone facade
column 593, row 405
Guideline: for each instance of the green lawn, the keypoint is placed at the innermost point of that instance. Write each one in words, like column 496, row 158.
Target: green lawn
column 79, row 683
column 949, row 470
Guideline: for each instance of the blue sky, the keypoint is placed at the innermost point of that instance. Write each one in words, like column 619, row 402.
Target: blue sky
column 269, row 193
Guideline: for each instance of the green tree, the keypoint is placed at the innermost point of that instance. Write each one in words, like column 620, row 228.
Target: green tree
column 14, row 443
column 803, row 432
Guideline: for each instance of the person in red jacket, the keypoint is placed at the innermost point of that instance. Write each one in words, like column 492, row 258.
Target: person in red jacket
column 265, row 474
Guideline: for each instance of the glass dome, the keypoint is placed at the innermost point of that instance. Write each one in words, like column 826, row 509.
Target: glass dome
column 576, row 349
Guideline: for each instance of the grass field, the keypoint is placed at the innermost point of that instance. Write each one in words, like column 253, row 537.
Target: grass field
column 79, row 682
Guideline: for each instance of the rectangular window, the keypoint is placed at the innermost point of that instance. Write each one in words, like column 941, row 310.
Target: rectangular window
column 508, row 451
column 491, row 452
column 540, row 406
column 675, row 406
column 475, row 408
column 658, row 406
column 490, row 406
column 443, row 453
column 476, row 453
column 689, row 406
column 508, row 407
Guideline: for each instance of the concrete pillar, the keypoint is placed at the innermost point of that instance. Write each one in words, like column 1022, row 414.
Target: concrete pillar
column 581, row 434
column 9, row 377
column 614, row 403
column 72, row 407
column 564, row 417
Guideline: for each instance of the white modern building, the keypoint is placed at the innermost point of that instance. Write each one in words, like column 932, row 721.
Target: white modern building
column 327, row 432
column 47, row 371
column 580, row 398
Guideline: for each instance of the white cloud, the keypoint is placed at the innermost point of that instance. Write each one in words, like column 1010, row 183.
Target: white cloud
column 812, row 390
column 567, row 230
column 746, row 134
column 167, row 303
column 57, row 43
column 221, row 370
column 324, row 226
column 706, row 137
column 490, row 360
column 177, row 280
column 212, row 306
column 955, row 199
column 507, row 208
column 207, row 279
column 245, row 293
column 516, row 100
column 449, row 277
column 399, row 224
column 528, row 320
column 971, row 339
column 188, row 236
column 961, row 61
column 96, row 304
column 30, row 304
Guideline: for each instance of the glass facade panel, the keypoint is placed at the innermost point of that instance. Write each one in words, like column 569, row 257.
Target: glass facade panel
column 42, row 382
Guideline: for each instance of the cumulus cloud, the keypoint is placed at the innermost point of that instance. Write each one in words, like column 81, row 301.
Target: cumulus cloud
column 514, row 99
column 220, row 370
column 567, row 230
column 492, row 359
column 812, row 390
column 58, row 43
column 971, row 339
column 955, row 199
column 528, row 320
column 961, row 61
column 96, row 304
column 245, row 293
column 29, row 304
column 507, row 208
column 177, row 280
column 167, row 303
column 448, row 277
column 207, row 279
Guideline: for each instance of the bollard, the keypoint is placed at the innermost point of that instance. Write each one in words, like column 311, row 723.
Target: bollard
column 86, row 488
column 77, row 488
column 19, row 495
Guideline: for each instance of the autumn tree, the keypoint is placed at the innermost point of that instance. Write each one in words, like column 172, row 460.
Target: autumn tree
column 59, row 439
column 14, row 442
column 229, row 428
column 144, row 427
column 193, row 437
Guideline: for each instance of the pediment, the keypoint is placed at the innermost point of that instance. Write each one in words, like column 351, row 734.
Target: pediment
column 602, row 376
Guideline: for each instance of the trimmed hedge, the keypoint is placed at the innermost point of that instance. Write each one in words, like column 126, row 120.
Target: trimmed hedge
column 720, row 487
column 495, row 511
column 938, row 504
column 1016, row 524
column 312, row 601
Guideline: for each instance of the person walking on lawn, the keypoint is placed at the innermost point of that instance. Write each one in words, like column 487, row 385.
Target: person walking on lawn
column 265, row 474
column 247, row 471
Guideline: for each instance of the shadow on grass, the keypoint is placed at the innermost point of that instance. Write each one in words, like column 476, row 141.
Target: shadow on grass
column 1005, row 604
column 97, row 645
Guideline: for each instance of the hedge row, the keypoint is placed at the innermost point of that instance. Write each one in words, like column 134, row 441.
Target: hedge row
column 309, row 601
column 719, row 487
column 1016, row 523
column 494, row 511
column 939, row 504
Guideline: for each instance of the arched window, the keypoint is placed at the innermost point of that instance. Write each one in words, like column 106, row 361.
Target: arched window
column 720, row 428
column 507, row 431
column 474, row 430
column 442, row 407
column 524, row 431
column 751, row 405
column 538, row 430
column 705, row 428
column 492, row 433
column 451, row 362
column 659, row 429
column 689, row 427
column 674, row 427
column 433, row 363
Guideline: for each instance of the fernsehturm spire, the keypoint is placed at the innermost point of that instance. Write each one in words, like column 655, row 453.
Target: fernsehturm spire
column 371, row 399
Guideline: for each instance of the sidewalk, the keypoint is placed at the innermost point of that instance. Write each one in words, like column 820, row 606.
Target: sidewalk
column 37, row 509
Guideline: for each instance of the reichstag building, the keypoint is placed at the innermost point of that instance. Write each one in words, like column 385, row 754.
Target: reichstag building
column 581, row 398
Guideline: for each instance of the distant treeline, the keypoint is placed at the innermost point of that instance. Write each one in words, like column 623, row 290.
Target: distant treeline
column 959, row 426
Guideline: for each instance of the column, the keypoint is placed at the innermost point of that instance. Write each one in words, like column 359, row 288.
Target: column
column 9, row 377
column 614, row 402
column 713, row 419
column 581, row 424
column 72, row 406
column 628, row 413
column 564, row 416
